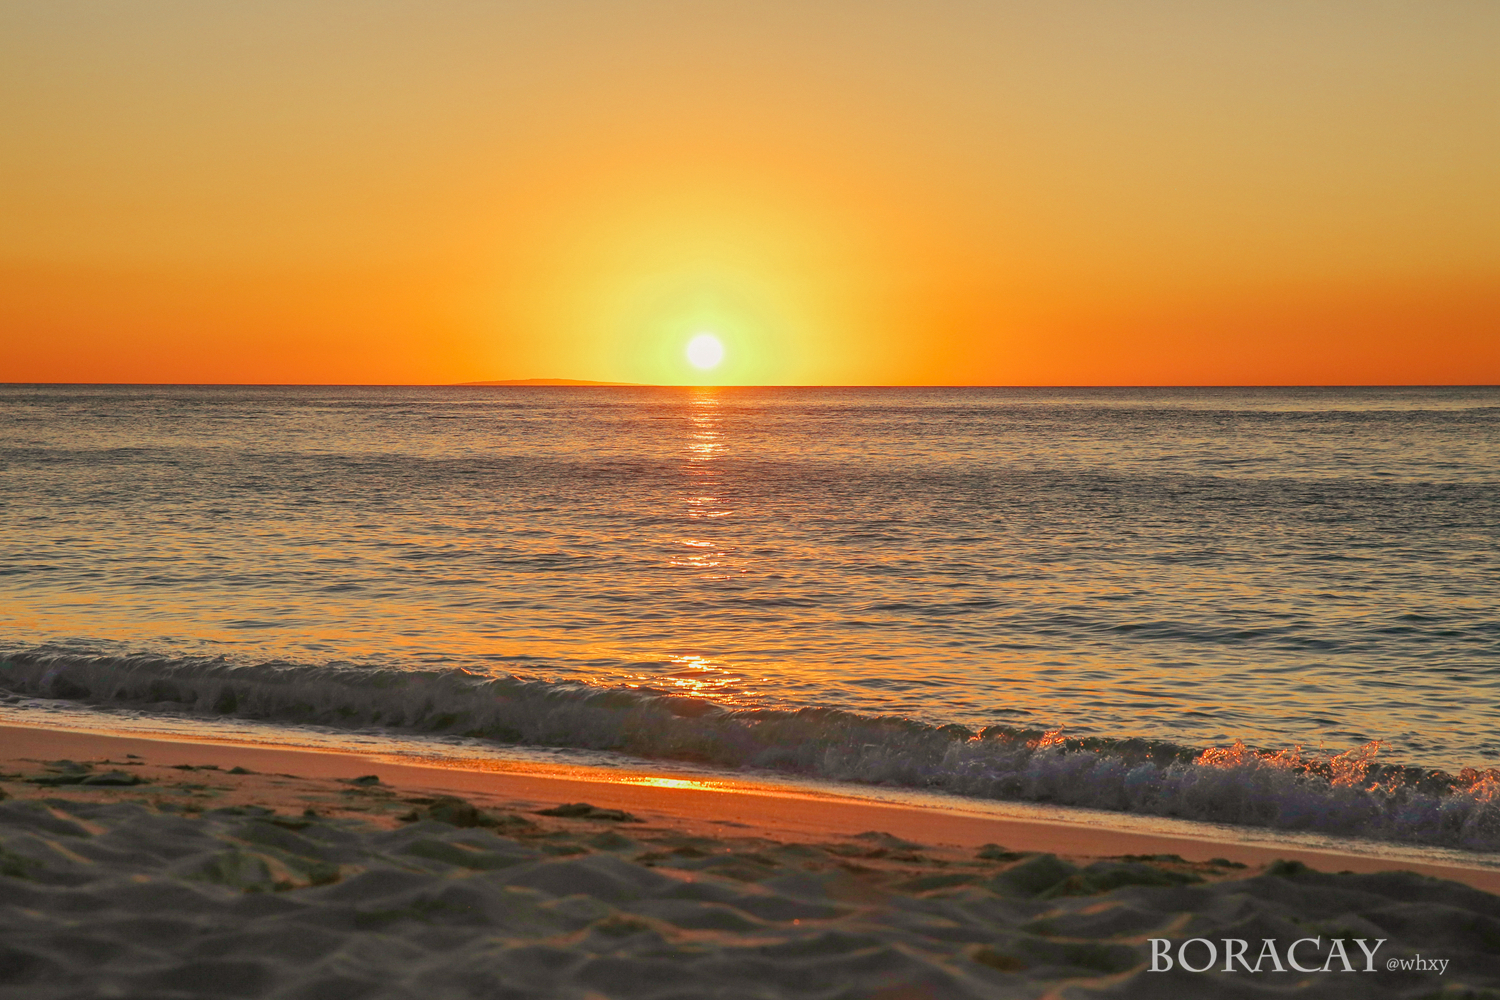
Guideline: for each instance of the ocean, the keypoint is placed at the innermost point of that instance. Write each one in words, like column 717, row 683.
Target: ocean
column 1270, row 607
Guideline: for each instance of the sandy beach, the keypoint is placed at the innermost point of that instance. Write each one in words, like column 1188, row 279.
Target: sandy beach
column 139, row 867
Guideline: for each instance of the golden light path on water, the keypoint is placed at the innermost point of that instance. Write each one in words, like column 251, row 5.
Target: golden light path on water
column 696, row 674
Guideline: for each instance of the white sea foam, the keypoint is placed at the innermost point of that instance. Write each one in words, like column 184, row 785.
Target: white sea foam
column 1348, row 794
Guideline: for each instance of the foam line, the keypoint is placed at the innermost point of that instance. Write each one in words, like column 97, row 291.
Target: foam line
column 1348, row 794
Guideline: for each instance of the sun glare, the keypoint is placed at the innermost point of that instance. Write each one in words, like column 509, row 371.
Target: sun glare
column 705, row 351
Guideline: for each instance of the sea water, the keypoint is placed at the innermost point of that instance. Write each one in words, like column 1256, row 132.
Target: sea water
column 1050, row 594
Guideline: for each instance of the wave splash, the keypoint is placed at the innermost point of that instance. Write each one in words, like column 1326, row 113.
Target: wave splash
column 1348, row 794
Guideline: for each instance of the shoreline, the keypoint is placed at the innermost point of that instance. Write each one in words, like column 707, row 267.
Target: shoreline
column 698, row 805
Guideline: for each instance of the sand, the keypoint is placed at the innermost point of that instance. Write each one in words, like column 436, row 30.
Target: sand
column 134, row 867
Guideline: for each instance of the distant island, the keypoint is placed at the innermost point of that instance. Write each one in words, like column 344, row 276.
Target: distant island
column 547, row 381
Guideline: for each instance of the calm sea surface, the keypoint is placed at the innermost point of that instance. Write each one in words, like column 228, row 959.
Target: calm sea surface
column 1303, row 566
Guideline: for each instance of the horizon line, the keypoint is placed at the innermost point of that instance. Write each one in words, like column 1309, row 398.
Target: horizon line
column 590, row 384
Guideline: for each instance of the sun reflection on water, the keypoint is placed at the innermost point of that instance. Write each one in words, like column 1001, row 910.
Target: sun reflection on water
column 705, row 548
column 707, row 438
column 705, row 445
column 694, row 676
column 655, row 782
column 700, row 677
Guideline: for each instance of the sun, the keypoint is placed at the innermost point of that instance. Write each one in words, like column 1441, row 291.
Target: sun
column 705, row 351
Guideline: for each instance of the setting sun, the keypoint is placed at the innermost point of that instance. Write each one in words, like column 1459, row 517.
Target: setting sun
column 705, row 351
column 840, row 194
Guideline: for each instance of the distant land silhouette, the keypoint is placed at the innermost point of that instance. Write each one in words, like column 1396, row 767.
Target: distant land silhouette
column 548, row 381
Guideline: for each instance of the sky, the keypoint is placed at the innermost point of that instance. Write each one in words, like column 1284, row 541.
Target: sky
column 1224, row 192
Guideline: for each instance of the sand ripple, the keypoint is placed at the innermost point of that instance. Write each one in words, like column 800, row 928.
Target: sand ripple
column 119, row 899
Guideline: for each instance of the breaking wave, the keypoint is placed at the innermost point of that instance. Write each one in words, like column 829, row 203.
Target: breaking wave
column 1349, row 794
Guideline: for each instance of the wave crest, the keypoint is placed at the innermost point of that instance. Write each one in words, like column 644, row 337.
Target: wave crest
column 1346, row 794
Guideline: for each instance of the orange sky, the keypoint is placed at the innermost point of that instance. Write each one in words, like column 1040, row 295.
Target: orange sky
column 1048, row 192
